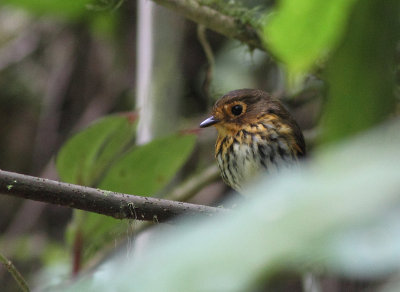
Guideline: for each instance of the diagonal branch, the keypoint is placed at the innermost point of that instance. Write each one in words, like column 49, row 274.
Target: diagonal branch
column 230, row 26
column 103, row 202
column 15, row 273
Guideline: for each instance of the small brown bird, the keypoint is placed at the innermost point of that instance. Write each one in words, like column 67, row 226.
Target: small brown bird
column 255, row 134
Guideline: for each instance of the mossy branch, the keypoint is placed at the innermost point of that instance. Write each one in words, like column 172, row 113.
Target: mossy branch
column 216, row 19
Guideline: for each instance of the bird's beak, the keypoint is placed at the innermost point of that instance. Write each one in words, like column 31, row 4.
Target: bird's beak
column 208, row 122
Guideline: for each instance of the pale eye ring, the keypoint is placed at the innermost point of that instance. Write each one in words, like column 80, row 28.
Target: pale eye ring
column 237, row 110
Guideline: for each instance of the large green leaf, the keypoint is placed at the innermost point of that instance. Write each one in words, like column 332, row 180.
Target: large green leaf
column 301, row 32
column 141, row 170
column 147, row 169
column 84, row 159
column 86, row 156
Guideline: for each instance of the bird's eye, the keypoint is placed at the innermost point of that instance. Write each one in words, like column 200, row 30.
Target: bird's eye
column 237, row 109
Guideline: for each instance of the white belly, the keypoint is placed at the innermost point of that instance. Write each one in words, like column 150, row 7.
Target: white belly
column 242, row 163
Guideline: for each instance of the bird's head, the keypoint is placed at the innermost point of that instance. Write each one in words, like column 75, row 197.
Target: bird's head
column 242, row 108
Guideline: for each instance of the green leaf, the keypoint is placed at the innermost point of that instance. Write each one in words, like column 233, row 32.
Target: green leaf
column 85, row 157
column 360, row 72
column 301, row 32
column 143, row 169
column 70, row 9
column 147, row 169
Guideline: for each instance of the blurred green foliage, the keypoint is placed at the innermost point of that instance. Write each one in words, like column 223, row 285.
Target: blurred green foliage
column 70, row 9
column 100, row 15
column 361, row 71
column 299, row 33
column 357, row 40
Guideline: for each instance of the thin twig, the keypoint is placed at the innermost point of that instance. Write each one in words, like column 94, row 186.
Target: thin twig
column 15, row 273
column 117, row 205
column 227, row 25
column 201, row 35
column 61, row 55
column 194, row 184
column 20, row 48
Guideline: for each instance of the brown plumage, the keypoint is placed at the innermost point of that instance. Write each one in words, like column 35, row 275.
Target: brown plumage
column 255, row 134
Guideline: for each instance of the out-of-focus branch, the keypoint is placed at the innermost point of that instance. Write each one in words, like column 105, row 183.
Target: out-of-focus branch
column 18, row 49
column 108, row 203
column 194, row 184
column 201, row 35
column 230, row 26
column 61, row 58
column 15, row 273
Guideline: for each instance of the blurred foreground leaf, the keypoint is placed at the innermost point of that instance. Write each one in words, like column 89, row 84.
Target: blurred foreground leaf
column 296, row 219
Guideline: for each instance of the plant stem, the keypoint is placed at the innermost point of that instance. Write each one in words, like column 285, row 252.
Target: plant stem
column 15, row 273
